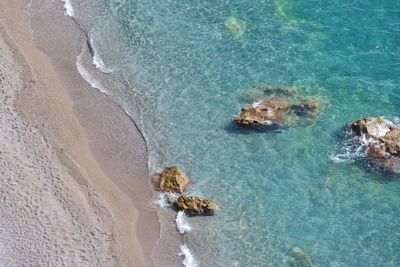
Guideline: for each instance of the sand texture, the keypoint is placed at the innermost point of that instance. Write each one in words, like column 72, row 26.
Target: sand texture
column 46, row 216
column 74, row 187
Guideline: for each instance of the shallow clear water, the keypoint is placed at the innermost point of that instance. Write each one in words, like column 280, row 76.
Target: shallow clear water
column 278, row 189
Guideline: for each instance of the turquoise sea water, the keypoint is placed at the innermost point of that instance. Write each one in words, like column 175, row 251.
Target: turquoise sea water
column 278, row 189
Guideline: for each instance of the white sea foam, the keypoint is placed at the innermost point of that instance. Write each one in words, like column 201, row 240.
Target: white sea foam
column 351, row 149
column 256, row 103
column 97, row 61
column 365, row 141
column 381, row 129
column 346, row 156
column 181, row 223
column 163, row 200
column 69, row 11
column 188, row 260
column 85, row 74
column 338, row 158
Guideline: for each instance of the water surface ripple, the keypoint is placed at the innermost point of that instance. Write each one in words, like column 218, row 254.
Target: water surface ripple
column 276, row 189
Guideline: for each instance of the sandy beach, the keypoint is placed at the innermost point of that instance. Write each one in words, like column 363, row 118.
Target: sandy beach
column 75, row 188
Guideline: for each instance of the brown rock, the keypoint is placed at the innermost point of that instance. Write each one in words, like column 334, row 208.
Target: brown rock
column 392, row 141
column 172, row 180
column 276, row 111
column 383, row 141
column 261, row 112
column 370, row 126
column 195, row 205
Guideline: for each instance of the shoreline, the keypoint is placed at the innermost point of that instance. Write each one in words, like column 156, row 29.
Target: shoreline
column 94, row 139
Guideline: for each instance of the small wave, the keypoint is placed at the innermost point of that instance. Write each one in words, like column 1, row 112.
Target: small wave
column 256, row 103
column 188, row 260
column 181, row 223
column 163, row 200
column 381, row 129
column 69, row 11
column 340, row 158
column 97, row 61
column 85, row 74
column 351, row 148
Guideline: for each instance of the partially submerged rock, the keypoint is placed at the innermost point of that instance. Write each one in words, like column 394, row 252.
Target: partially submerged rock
column 260, row 112
column 392, row 142
column 299, row 259
column 371, row 127
column 195, row 205
column 172, row 180
column 275, row 111
column 235, row 26
column 381, row 139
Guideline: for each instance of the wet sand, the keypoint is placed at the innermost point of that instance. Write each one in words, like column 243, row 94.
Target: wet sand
column 74, row 186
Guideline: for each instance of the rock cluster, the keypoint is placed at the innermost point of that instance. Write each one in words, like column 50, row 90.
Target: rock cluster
column 381, row 139
column 173, row 180
column 274, row 112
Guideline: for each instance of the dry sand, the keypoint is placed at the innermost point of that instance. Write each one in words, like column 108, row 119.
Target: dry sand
column 74, row 186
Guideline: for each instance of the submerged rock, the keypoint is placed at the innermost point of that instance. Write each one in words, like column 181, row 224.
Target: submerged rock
column 172, row 180
column 304, row 108
column 261, row 91
column 299, row 259
column 195, row 205
column 278, row 91
column 235, row 26
column 381, row 139
column 275, row 111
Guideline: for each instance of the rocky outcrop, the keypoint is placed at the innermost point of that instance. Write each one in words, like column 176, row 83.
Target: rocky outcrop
column 195, row 205
column 171, row 180
column 392, row 142
column 275, row 111
column 260, row 112
column 371, row 127
column 299, row 259
column 381, row 139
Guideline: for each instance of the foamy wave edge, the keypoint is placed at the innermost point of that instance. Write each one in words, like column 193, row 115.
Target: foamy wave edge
column 189, row 260
column 85, row 74
column 97, row 61
column 181, row 223
column 69, row 11
column 163, row 199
